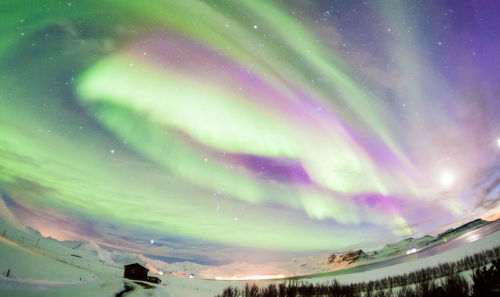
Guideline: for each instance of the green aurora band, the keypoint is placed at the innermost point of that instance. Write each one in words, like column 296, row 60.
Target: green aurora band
column 232, row 124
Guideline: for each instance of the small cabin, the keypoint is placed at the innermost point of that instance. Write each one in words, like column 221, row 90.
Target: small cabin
column 135, row 271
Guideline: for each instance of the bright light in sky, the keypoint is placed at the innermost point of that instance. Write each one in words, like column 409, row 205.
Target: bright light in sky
column 447, row 178
column 498, row 142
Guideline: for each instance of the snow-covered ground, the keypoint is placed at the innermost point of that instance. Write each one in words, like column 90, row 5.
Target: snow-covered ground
column 41, row 266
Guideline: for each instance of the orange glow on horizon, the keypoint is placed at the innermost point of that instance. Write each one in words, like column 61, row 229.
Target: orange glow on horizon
column 48, row 231
column 250, row 277
column 492, row 217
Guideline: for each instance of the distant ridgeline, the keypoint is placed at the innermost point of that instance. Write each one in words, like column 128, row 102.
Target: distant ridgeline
column 402, row 247
column 465, row 227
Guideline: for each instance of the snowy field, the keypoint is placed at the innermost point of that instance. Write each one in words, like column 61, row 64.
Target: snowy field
column 47, row 267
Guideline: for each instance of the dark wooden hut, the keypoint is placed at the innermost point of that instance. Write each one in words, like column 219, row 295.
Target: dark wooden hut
column 135, row 271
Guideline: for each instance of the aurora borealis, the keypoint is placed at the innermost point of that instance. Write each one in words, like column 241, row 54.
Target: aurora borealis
column 215, row 126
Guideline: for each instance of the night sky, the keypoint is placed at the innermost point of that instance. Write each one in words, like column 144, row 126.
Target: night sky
column 221, row 130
